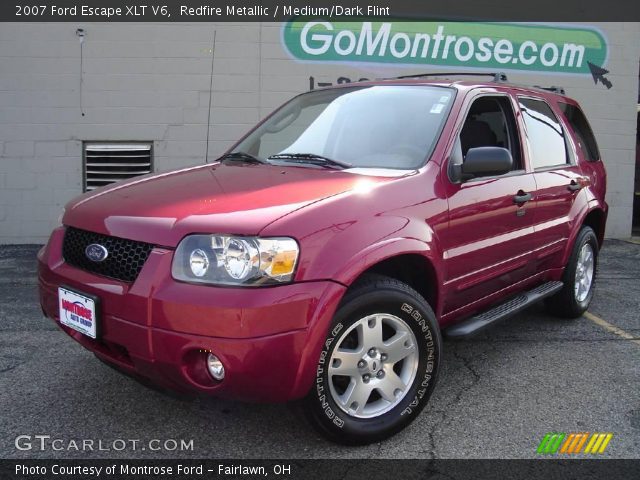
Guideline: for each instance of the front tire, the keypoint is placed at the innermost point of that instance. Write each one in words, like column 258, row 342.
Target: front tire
column 579, row 277
column 379, row 363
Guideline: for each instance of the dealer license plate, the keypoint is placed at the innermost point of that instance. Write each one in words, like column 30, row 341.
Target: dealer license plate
column 78, row 312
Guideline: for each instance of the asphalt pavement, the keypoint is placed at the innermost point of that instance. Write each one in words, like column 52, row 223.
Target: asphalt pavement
column 497, row 396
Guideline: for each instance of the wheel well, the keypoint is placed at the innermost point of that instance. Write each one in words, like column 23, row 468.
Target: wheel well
column 596, row 220
column 412, row 269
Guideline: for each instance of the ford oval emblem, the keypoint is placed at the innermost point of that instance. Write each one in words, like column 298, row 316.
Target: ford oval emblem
column 96, row 252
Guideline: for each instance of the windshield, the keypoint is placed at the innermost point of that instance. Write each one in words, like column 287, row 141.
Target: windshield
column 365, row 127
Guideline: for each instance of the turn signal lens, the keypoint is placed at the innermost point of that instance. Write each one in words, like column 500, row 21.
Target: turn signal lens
column 284, row 263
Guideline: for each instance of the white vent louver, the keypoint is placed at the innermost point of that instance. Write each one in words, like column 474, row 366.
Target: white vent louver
column 105, row 163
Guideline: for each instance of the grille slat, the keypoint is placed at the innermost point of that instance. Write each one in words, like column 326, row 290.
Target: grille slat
column 108, row 163
column 109, row 172
column 96, row 154
column 118, row 146
column 114, row 164
column 124, row 262
column 103, row 181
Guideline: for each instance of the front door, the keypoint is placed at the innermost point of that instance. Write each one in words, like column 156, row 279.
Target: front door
column 488, row 244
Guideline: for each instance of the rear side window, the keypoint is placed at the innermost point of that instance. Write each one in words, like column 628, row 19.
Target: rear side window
column 582, row 129
column 546, row 137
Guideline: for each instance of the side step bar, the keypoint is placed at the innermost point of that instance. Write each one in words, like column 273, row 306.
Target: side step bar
column 514, row 305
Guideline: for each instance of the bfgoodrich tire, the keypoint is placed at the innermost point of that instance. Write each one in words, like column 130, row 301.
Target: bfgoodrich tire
column 379, row 363
column 579, row 278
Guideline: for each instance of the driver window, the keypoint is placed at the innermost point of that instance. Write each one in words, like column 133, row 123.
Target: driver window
column 491, row 123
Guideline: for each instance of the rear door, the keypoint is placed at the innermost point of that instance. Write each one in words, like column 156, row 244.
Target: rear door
column 558, row 178
column 488, row 244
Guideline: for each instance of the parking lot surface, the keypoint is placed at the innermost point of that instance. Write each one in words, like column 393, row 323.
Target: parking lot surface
column 498, row 393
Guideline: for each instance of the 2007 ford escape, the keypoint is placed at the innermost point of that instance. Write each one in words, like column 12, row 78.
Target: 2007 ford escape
column 324, row 254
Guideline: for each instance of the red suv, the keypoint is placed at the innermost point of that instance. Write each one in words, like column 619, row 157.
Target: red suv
column 324, row 254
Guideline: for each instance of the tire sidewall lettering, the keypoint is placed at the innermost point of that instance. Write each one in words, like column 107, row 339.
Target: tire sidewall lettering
column 428, row 336
column 321, row 391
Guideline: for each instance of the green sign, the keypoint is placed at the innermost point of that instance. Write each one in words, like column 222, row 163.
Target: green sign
column 494, row 46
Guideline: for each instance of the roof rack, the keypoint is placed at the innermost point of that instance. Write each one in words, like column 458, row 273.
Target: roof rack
column 497, row 76
column 553, row 89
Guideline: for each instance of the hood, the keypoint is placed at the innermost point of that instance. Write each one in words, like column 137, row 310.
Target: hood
column 231, row 198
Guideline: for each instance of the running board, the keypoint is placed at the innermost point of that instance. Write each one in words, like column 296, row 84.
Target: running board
column 516, row 304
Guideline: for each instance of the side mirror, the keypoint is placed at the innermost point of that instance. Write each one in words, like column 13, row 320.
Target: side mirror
column 486, row 161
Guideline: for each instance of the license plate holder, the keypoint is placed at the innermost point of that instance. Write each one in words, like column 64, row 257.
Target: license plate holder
column 79, row 311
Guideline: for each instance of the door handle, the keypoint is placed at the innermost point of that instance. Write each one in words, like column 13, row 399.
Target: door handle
column 521, row 197
column 575, row 185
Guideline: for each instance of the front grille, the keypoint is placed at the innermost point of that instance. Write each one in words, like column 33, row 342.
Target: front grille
column 124, row 261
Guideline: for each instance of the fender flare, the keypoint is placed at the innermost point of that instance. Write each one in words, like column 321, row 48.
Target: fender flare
column 591, row 206
column 384, row 250
column 352, row 269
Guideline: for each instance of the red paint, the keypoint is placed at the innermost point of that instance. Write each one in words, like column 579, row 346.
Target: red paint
column 269, row 339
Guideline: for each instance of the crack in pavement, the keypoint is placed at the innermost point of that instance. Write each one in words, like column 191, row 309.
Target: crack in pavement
column 431, row 434
column 476, row 377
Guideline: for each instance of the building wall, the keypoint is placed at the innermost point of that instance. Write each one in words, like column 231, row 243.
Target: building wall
column 151, row 82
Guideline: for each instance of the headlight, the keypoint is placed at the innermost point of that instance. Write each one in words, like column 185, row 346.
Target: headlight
column 229, row 260
column 199, row 262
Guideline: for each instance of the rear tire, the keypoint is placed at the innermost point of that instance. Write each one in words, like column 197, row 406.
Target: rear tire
column 379, row 363
column 579, row 278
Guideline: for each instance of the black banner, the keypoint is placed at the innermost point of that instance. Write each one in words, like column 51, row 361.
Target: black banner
column 281, row 10
column 368, row 469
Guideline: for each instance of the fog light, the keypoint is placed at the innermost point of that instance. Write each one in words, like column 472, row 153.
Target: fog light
column 216, row 369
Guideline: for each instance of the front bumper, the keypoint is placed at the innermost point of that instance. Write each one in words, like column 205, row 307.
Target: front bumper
column 269, row 339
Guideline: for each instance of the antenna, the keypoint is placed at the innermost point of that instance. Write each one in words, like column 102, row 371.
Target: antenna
column 80, row 33
column 213, row 55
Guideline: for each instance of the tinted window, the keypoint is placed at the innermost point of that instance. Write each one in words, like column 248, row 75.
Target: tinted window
column 546, row 138
column 582, row 130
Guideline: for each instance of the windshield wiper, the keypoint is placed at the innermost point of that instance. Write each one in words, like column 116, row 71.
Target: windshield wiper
column 311, row 158
column 244, row 157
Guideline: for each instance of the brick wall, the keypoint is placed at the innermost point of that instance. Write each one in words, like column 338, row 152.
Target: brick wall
column 151, row 82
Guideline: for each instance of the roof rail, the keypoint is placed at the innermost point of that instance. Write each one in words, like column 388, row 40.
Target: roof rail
column 553, row 89
column 497, row 76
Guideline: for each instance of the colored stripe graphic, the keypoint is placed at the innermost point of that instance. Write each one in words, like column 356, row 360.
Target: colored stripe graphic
column 556, row 444
column 582, row 441
column 577, row 439
column 572, row 443
column 594, row 437
column 605, row 443
column 543, row 444
column 598, row 443
column 550, row 443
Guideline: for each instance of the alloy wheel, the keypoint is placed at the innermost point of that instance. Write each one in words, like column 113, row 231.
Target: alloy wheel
column 373, row 365
column 584, row 272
